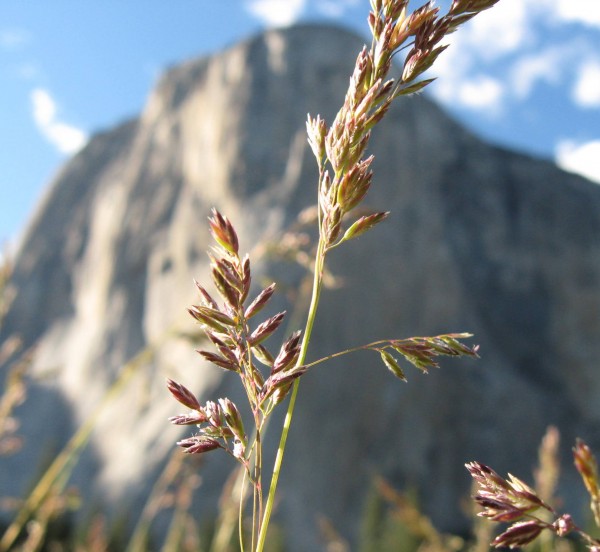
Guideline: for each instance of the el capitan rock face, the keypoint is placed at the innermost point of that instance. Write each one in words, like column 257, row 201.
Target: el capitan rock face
column 480, row 239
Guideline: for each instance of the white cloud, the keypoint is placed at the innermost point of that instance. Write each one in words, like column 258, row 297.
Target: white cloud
column 503, row 29
column 580, row 157
column 458, row 86
column 481, row 93
column 66, row 138
column 334, row 8
column 512, row 41
column 492, row 35
column 586, row 91
column 44, row 108
column 585, row 12
column 276, row 13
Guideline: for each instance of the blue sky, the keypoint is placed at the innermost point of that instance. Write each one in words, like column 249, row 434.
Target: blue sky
column 526, row 74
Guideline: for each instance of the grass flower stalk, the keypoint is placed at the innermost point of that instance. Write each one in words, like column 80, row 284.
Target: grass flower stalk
column 345, row 176
column 528, row 514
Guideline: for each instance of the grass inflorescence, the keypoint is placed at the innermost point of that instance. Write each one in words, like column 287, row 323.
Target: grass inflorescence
column 344, row 178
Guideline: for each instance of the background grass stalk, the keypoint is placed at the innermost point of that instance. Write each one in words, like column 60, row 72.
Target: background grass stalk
column 139, row 539
column 69, row 455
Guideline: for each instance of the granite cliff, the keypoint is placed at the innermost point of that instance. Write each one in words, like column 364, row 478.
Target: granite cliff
column 480, row 239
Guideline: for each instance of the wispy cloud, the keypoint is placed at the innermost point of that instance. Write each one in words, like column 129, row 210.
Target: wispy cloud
column 580, row 157
column 12, row 39
column 28, row 71
column 66, row 138
column 276, row 13
column 546, row 65
column 586, row 90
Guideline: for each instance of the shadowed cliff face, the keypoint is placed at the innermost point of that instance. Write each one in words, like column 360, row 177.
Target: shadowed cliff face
column 480, row 239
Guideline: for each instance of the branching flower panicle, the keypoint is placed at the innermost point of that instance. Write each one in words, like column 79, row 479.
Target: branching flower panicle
column 512, row 501
column 345, row 177
column 237, row 344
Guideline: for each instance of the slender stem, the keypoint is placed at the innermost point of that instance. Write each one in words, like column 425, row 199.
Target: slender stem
column 258, row 492
column 241, row 512
column 367, row 347
column 254, row 516
column 312, row 311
